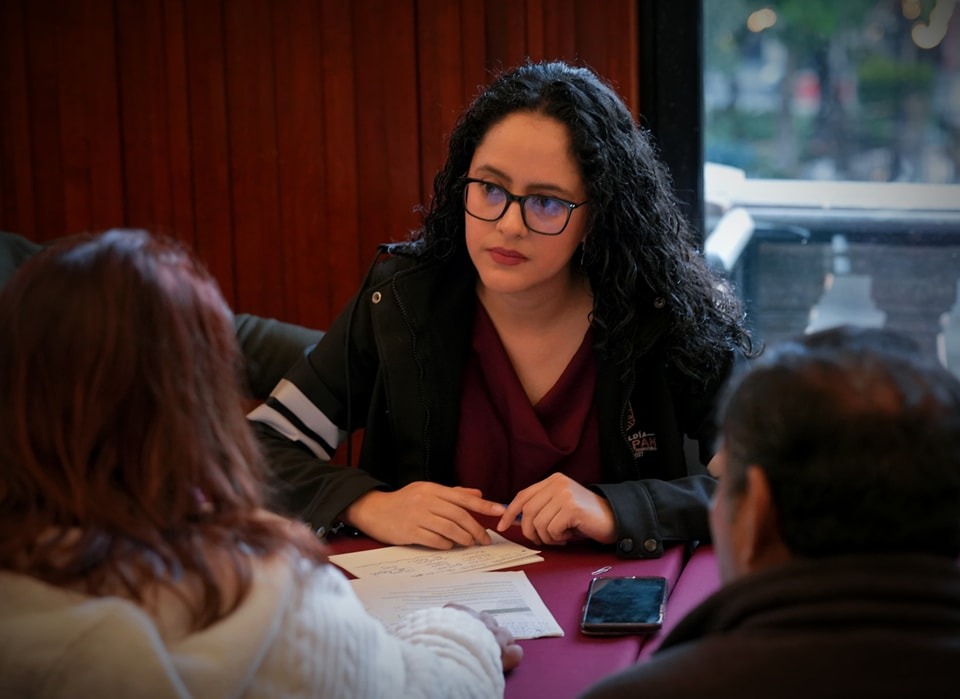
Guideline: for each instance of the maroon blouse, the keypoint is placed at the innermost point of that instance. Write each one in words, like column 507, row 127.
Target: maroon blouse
column 504, row 443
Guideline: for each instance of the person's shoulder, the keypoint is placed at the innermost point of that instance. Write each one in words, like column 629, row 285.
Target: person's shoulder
column 43, row 616
column 650, row 678
column 14, row 251
column 17, row 245
column 400, row 260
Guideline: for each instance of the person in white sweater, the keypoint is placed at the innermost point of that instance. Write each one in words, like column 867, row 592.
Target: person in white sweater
column 136, row 558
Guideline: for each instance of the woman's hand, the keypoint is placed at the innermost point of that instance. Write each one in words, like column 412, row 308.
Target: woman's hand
column 558, row 509
column 510, row 652
column 423, row 513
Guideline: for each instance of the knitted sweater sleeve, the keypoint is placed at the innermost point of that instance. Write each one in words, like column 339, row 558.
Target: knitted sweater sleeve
column 331, row 647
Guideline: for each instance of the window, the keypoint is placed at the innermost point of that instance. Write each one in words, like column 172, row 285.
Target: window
column 832, row 177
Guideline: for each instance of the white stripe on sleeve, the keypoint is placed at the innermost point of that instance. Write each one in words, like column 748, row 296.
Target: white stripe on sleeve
column 293, row 399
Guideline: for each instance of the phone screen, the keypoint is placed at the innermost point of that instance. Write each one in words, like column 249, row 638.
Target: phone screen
column 623, row 605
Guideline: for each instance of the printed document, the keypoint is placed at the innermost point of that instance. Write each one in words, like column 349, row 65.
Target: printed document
column 415, row 561
column 507, row 595
column 396, row 580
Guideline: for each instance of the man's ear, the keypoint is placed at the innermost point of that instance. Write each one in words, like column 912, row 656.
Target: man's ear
column 760, row 543
column 712, row 467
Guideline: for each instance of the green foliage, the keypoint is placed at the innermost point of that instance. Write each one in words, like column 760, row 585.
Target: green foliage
column 821, row 18
column 872, row 77
column 803, row 25
column 734, row 125
column 726, row 22
column 883, row 79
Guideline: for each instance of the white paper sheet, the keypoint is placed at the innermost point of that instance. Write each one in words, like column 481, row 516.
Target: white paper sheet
column 508, row 596
column 416, row 561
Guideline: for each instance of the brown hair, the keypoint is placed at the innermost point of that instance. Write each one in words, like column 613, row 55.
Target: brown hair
column 125, row 456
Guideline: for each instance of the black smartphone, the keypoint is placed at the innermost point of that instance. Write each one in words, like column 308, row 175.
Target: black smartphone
column 624, row 605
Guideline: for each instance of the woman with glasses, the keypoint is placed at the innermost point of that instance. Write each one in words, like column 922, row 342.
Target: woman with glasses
column 541, row 350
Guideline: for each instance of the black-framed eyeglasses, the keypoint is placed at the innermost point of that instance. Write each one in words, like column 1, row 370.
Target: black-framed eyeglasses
column 541, row 214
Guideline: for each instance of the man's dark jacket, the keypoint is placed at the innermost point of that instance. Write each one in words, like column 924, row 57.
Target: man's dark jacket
column 881, row 626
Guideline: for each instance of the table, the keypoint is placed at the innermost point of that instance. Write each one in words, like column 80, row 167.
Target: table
column 563, row 667
column 698, row 579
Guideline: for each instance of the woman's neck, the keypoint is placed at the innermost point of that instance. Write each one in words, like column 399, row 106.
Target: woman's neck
column 540, row 332
column 541, row 308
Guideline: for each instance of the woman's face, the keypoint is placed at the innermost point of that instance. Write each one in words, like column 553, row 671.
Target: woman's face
column 526, row 153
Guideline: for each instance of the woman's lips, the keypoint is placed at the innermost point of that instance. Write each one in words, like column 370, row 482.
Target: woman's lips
column 506, row 257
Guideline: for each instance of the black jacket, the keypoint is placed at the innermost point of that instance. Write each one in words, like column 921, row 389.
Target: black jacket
column 403, row 345
column 878, row 626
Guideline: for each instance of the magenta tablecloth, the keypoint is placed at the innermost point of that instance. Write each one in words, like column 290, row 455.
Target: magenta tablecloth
column 697, row 581
column 559, row 668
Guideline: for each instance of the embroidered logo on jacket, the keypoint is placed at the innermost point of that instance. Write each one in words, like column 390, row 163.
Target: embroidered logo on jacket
column 640, row 441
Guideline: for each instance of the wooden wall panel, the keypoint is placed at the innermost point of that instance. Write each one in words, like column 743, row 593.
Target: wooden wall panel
column 154, row 117
column 209, row 147
column 282, row 139
column 339, row 258
column 252, row 155
column 171, row 132
column 388, row 162
column 559, row 38
column 41, row 39
column 451, row 51
column 143, row 109
column 301, row 153
column 89, row 115
column 16, row 162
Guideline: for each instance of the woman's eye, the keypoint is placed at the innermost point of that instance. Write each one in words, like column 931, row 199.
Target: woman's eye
column 492, row 191
column 546, row 206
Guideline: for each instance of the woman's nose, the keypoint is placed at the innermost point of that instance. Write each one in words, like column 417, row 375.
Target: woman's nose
column 512, row 223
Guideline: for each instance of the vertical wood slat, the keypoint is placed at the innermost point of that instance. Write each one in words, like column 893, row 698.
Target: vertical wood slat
column 387, row 149
column 253, row 168
column 559, row 30
column 302, row 234
column 282, row 140
column 89, row 119
column 17, row 199
column 76, row 130
column 41, row 32
column 341, row 254
column 507, row 33
column 175, row 125
column 593, row 34
column 439, row 90
column 209, row 140
column 147, row 111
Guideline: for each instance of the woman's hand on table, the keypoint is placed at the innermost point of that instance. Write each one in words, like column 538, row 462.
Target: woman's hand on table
column 557, row 510
column 510, row 652
column 428, row 514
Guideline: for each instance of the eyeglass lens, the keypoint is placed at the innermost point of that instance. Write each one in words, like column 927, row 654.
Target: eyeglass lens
column 541, row 214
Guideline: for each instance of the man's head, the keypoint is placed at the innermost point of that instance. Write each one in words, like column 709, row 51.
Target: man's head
column 839, row 442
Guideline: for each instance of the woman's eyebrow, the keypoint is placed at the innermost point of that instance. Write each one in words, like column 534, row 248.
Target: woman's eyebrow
column 549, row 187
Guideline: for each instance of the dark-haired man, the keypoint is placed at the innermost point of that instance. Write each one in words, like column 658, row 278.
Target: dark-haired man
column 836, row 525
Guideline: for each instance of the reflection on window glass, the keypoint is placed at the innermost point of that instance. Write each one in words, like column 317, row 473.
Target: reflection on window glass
column 832, row 182
column 865, row 90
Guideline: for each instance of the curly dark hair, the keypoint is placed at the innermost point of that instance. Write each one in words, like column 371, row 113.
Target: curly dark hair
column 640, row 252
